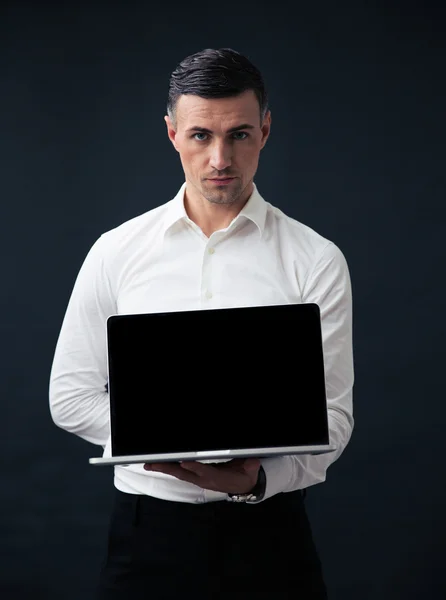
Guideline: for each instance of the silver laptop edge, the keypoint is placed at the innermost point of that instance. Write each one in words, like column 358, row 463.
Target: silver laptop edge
column 211, row 455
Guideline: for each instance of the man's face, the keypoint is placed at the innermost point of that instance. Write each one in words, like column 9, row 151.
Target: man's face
column 219, row 138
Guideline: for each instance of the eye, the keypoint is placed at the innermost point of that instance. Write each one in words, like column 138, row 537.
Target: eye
column 195, row 138
column 241, row 133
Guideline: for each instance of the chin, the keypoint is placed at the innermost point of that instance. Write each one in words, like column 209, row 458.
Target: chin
column 223, row 196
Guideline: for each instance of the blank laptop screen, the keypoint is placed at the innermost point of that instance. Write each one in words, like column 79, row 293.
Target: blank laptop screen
column 217, row 379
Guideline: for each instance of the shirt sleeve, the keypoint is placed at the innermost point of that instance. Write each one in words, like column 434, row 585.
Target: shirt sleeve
column 329, row 286
column 78, row 395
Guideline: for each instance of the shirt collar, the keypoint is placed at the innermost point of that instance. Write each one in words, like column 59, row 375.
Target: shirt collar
column 255, row 210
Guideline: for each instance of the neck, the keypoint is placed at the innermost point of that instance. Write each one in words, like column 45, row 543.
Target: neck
column 210, row 216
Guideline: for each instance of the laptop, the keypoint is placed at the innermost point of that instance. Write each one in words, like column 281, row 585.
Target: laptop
column 216, row 384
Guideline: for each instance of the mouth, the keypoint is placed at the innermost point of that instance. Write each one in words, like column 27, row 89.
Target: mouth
column 221, row 180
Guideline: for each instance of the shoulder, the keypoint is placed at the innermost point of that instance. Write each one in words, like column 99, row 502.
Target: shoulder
column 143, row 227
column 313, row 253
column 298, row 235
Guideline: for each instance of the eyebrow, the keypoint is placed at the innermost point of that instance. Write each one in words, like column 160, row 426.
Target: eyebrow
column 204, row 130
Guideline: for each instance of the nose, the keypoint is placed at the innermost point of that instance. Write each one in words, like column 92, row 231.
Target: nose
column 221, row 156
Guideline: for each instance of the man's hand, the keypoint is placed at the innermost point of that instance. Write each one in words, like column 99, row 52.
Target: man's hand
column 238, row 476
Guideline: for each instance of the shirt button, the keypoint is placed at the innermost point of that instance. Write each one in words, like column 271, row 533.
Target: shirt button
column 211, row 250
column 208, row 295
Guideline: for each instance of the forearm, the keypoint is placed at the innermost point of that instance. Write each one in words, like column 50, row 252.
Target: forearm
column 79, row 401
column 290, row 473
column 85, row 414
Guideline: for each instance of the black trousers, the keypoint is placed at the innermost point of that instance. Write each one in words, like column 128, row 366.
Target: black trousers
column 162, row 550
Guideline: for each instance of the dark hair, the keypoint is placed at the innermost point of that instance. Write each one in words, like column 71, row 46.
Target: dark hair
column 216, row 74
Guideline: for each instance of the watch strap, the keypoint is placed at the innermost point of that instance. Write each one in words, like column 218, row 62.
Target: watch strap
column 256, row 494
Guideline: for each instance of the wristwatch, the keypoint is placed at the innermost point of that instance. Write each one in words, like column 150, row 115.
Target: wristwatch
column 255, row 494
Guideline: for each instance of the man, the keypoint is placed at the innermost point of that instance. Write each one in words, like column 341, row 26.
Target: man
column 174, row 532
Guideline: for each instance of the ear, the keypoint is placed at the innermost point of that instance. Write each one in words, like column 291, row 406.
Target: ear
column 171, row 133
column 266, row 128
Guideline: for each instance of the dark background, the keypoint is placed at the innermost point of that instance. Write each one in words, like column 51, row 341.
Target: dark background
column 356, row 151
